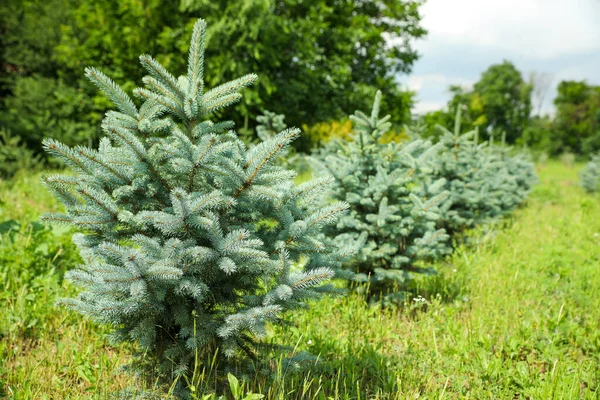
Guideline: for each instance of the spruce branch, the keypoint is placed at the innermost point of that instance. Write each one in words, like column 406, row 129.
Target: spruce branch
column 265, row 153
column 112, row 90
column 162, row 76
column 196, row 59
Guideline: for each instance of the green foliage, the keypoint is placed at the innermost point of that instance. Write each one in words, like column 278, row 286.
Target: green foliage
column 500, row 102
column 14, row 156
column 191, row 242
column 505, row 99
column 321, row 59
column 539, row 135
column 30, row 29
column 304, row 53
column 42, row 107
column 320, row 134
column 38, row 95
column 394, row 206
column 577, row 118
column 590, row 175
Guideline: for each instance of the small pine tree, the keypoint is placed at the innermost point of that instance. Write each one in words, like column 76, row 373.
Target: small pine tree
column 511, row 177
column 590, row 175
column 394, row 206
column 484, row 182
column 269, row 124
column 461, row 163
column 191, row 241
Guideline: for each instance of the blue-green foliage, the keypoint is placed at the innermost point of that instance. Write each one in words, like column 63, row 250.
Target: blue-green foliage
column 462, row 163
column 269, row 124
column 510, row 175
column 394, row 204
column 590, row 175
column 484, row 182
column 190, row 240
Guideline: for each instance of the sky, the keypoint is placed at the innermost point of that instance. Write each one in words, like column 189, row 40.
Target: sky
column 558, row 38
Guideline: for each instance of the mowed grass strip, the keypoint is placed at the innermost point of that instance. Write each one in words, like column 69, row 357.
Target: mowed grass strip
column 516, row 315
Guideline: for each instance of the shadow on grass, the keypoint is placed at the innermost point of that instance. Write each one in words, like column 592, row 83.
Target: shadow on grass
column 359, row 372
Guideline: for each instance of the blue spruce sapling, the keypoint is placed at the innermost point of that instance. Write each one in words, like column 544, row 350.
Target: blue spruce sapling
column 394, row 205
column 461, row 163
column 191, row 241
column 590, row 175
column 269, row 124
column 511, row 177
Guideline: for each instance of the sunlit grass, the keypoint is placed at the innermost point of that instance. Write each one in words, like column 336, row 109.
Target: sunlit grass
column 515, row 316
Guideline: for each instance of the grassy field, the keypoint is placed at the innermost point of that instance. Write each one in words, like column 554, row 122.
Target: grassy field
column 514, row 316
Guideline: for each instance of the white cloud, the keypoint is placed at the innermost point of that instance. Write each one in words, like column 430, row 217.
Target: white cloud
column 423, row 107
column 538, row 28
column 559, row 37
column 431, row 88
column 418, row 82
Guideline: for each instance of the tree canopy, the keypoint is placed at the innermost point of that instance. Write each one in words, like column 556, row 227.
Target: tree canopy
column 499, row 102
column 578, row 116
column 317, row 60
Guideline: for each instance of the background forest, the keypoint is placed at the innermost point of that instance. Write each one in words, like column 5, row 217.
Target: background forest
column 317, row 61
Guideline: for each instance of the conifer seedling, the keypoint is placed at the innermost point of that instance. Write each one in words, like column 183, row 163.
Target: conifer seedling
column 394, row 203
column 191, row 241
column 590, row 175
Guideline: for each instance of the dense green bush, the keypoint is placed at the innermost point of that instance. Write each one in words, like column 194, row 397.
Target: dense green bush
column 15, row 156
column 43, row 107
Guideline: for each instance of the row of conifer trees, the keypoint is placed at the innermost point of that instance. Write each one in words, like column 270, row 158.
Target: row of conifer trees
column 193, row 241
column 590, row 175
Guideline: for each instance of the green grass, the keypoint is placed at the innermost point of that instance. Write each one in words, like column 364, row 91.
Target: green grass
column 515, row 316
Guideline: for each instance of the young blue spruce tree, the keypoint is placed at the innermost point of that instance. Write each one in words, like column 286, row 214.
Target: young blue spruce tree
column 394, row 204
column 269, row 124
column 510, row 176
column 590, row 175
column 486, row 181
column 460, row 163
column 191, row 241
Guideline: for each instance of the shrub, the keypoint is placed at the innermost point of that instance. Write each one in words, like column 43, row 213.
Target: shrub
column 394, row 205
column 321, row 133
column 14, row 156
column 191, row 242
